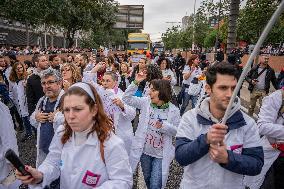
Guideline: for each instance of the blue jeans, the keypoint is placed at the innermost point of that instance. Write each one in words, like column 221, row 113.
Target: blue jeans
column 28, row 126
column 185, row 102
column 152, row 171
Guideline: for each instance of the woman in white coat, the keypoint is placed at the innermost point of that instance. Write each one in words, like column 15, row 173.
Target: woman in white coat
column 168, row 74
column 123, row 116
column 121, row 119
column 7, row 141
column 17, row 92
column 158, row 121
column 84, row 152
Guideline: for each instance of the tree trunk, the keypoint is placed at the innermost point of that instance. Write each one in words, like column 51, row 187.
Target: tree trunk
column 232, row 26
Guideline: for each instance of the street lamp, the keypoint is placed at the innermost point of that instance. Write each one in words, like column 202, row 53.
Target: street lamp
column 218, row 27
column 193, row 28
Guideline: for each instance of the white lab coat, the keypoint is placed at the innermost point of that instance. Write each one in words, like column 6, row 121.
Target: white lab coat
column 122, row 120
column 271, row 127
column 17, row 93
column 57, row 121
column 169, row 129
column 78, row 166
column 7, row 141
column 168, row 72
column 122, row 123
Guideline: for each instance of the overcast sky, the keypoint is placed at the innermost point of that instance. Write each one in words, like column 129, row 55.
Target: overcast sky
column 158, row 12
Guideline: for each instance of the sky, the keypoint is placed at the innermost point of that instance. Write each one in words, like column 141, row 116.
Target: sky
column 158, row 12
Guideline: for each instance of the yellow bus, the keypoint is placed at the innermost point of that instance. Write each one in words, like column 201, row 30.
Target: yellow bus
column 138, row 43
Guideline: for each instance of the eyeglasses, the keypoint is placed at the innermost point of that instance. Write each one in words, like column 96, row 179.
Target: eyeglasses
column 19, row 68
column 48, row 83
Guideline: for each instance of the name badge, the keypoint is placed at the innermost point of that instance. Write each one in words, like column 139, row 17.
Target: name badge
column 91, row 179
column 237, row 148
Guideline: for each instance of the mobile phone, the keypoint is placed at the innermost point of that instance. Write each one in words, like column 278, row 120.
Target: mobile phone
column 11, row 156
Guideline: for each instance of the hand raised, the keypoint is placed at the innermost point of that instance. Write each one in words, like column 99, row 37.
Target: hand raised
column 140, row 76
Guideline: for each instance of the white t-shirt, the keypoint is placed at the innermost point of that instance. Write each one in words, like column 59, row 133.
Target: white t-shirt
column 154, row 138
column 261, row 79
column 195, row 73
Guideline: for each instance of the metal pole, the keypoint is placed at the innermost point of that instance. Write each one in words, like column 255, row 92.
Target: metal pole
column 193, row 28
column 218, row 27
column 263, row 36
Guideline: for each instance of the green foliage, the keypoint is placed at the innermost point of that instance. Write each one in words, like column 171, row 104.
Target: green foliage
column 71, row 15
column 185, row 39
column 223, row 30
column 210, row 39
column 201, row 31
column 171, row 38
column 254, row 17
column 201, row 28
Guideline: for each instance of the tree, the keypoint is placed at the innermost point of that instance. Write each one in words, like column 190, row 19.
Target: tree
column 210, row 39
column 77, row 15
column 232, row 26
column 254, row 17
column 70, row 15
column 29, row 12
column 185, row 39
column 201, row 28
column 171, row 38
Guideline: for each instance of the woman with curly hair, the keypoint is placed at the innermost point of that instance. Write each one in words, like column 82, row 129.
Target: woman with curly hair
column 153, row 71
column 70, row 74
column 17, row 92
column 84, row 152
column 167, row 72
column 158, row 121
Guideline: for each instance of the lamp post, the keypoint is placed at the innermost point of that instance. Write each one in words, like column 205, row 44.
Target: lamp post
column 193, row 28
column 218, row 27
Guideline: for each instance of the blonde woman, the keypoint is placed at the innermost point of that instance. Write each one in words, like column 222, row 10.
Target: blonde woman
column 70, row 74
column 17, row 92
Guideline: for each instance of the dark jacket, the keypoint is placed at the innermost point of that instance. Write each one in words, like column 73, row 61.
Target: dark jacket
column 280, row 79
column 270, row 77
column 179, row 63
column 33, row 91
column 4, row 95
column 142, row 84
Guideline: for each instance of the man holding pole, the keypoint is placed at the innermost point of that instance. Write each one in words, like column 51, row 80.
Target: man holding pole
column 218, row 155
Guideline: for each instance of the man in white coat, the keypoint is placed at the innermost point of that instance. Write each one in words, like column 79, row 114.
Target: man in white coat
column 217, row 156
column 7, row 141
column 271, row 128
column 47, row 117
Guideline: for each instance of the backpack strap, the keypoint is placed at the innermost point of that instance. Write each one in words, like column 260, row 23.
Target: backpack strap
column 281, row 110
column 102, row 152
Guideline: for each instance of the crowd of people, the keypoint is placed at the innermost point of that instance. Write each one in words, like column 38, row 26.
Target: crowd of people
column 28, row 50
column 97, row 117
column 273, row 50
